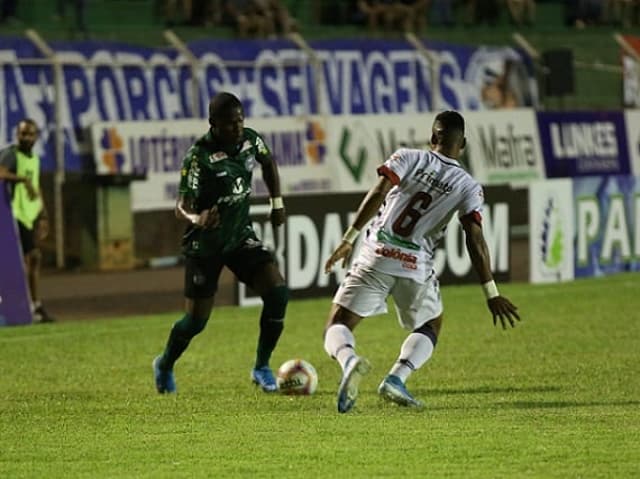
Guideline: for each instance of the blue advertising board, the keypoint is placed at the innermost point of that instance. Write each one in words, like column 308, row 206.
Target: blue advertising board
column 584, row 143
column 272, row 78
column 607, row 225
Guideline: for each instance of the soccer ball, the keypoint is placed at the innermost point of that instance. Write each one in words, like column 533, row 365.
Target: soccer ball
column 297, row 377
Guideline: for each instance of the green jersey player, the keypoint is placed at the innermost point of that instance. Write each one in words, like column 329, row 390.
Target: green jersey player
column 215, row 185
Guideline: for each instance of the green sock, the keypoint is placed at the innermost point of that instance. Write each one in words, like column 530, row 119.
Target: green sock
column 181, row 334
column 271, row 323
column 270, row 331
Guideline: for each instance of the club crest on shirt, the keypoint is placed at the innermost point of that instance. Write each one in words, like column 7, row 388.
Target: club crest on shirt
column 217, row 156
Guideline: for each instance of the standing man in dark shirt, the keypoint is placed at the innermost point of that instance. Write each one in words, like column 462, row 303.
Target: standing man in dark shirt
column 213, row 198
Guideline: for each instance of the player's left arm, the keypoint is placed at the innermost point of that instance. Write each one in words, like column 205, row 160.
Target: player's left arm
column 500, row 307
column 271, row 178
column 42, row 223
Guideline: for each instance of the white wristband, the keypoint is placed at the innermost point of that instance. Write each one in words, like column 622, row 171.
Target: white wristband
column 351, row 235
column 276, row 203
column 490, row 289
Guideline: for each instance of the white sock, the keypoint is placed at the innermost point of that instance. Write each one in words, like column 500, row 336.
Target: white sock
column 339, row 343
column 416, row 350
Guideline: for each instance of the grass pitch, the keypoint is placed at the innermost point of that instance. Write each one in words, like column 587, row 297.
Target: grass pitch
column 557, row 397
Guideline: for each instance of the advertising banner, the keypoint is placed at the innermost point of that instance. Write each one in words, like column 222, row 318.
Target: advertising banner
column 357, row 145
column 155, row 149
column 551, row 231
column 584, row 143
column 632, row 122
column 272, row 78
column 315, row 225
column 14, row 296
column 607, row 225
column 631, row 73
column 504, row 146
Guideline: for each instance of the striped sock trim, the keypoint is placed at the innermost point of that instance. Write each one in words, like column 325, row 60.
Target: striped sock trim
column 407, row 363
column 344, row 346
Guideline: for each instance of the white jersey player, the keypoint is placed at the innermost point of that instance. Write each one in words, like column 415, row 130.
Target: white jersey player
column 417, row 194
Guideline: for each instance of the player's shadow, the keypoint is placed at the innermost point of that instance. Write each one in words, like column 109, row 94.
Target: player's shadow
column 489, row 390
column 564, row 404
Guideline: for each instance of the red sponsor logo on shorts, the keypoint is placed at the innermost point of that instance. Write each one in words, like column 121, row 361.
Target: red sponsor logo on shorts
column 409, row 261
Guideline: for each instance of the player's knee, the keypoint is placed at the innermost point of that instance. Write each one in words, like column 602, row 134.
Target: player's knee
column 429, row 331
column 275, row 302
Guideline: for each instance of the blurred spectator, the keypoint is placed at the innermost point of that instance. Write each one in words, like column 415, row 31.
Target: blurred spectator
column 205, row 13
column 285, row 23
column 580, row 13
column 481, row 11
column 79, row 9
column 259, row 18
column 522, row 12
column 8, row 11
column 376, row 12
column 507, row 86
column 417, row 11
column 338, row 12
column 442, row 13
column 249, row 18
column 622, row 12
column 171, row 14
column 407, row 15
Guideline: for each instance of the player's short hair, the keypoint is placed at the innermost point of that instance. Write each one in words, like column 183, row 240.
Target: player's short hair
column 222, row 103
column 448, row 127
column 450, row 121
column 29, row 121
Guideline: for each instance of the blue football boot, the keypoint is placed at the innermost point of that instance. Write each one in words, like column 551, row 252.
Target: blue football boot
column 393, row 389
column 263, row 377
column 354, row 370
column 165, row 383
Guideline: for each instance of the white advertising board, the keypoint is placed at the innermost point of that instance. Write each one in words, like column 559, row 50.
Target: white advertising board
column 504, row 146
column 632, row 122
column 551, row 220
column 154, row 149
column 359, row 144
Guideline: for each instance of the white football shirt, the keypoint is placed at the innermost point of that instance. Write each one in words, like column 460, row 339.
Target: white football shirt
column 428, row 189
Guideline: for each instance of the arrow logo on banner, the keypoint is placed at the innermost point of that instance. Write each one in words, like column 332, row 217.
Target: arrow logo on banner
column 356, row 168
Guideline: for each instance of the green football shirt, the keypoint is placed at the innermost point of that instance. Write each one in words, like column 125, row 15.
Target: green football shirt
column 25, row 209
column 211, row 175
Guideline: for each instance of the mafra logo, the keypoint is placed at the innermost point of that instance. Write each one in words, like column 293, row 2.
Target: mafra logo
column 112, row 156
column 506, row 150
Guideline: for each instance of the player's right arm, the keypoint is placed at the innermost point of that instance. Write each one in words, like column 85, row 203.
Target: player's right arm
column 188, row 193
column 501, row 308
column 391, row 173
column 367, row 209
column 7, row 168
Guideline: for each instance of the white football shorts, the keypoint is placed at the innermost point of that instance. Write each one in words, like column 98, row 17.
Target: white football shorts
column 364, row 291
